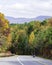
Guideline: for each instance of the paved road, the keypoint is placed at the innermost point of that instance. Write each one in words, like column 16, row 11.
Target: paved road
column 24, row 60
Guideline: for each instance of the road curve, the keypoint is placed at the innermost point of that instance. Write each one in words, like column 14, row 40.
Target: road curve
column 24, row 60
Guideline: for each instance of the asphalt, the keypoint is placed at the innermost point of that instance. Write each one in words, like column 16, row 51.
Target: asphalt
column 24, row 60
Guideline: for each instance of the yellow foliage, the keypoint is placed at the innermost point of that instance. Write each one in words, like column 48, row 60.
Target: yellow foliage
column 21, row 31
column 5, row 38
column 4, row 24
column 31, row 38
column 9, row 38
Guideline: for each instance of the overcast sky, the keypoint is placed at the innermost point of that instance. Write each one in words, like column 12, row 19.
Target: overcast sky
column 26, row 8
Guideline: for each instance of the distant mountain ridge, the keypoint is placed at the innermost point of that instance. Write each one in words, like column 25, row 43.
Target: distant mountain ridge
column 41, row 18
column 22, row 20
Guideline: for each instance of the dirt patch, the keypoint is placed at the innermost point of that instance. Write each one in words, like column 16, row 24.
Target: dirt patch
column 6, row 54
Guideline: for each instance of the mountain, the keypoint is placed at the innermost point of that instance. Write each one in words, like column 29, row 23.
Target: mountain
column 22, row 20
column 17, row 20
column 41, row 18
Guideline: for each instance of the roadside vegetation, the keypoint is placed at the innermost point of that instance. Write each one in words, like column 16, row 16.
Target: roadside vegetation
column 33, row 37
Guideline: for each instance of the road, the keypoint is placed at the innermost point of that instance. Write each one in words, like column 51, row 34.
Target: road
column 24, row 60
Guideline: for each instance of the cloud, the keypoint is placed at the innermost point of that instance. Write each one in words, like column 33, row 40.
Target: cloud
column 0, row 6
column 17, row 6
column 26, row 8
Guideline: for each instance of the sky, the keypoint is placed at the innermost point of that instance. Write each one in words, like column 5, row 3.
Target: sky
column 26, row 8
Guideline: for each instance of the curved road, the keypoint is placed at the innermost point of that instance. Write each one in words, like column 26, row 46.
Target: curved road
column 24, row 60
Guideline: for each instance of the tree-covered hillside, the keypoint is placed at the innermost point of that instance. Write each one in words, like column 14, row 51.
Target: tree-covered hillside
column 34, row 37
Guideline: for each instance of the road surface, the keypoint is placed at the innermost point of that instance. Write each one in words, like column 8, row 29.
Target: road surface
column 24, row 60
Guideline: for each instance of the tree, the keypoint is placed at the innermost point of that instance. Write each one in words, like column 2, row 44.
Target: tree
column 19, row 46
column 31, row 38
column 5, row 38
column 44, row 42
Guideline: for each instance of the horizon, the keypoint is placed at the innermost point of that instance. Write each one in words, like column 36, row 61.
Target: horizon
column 23, row 20
column 26, row 9
column 29, row 17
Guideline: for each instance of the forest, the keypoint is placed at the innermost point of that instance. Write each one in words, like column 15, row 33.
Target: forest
column 27, row 38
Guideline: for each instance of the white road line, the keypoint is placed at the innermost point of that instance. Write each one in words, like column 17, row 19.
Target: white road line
column 34, row 60
column 20, row 61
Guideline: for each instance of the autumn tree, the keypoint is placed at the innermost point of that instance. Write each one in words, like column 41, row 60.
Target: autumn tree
column 5, row 37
